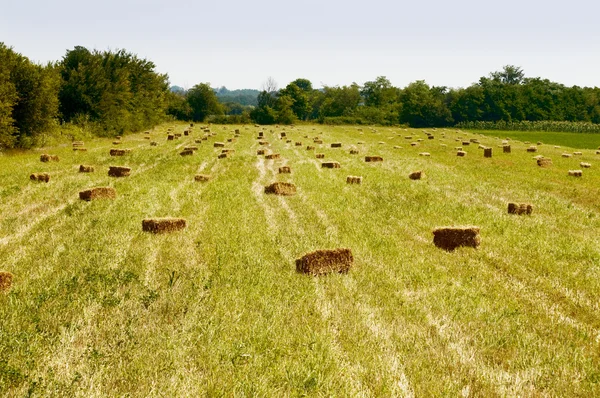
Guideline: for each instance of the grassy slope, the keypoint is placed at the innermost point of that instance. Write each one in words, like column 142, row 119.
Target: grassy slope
column 101, row 308
column 572, row 140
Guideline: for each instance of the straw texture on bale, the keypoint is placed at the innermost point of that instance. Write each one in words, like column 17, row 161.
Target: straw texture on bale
column 320, row 155
column 373, row 159
column 416, row 175
column 186, row 132
column 336, row 144
column 532, row 148
column 49, row 158
column 465, row 143
column 430, row 137
column 544, row 162
column 231, row 140
column 218, row 144
column 353, row 180
column 273, row 156
column 424, row 154
column 449, row 238
column 310, row 148
column 330, row 165
column 298, row 143
column 585, row 165
column 162, row 225
column 170, row 137
column 520, row 208
column 118, row 171
column 186, row 152
column 77, row 143
column 86, row 169
column 44, row 177
column 202, row 177
column 154, row 143
column 461, row 153
column 353, row 151
column 260, row 152
column 506, row 148
column 575, row 173
column 281, row 188
column 566, row 155
column 6, row 279
column 321, row 262
column 263, row 143
column 79, row 149
column 487, row 152
column 98, row 193
column 190, row 148
column 316, row 141
column 223, row 155
column 117, row 142
column 285, row 170
column 119, row 152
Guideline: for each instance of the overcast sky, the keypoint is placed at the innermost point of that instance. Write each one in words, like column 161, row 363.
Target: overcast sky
column 239, row 44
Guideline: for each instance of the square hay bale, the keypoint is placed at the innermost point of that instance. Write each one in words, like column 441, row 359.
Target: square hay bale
column 320, row 155
column 430, row 137
column 49, row 158
column 577, row 153
column 117, row 142
column 118, row 137
column 336, row 144
column 79, row 149
column 237, row 131
column 6, row 279
column 585, row 165
column 281, row 188
column 353, row 180
column 219, row 145
column 285, row 170
column 190, row 148
column 118, row 171
column 86, row 169
column 458, row 148
column 575, row 173
column 414, row 144
column 228, row 150
column 416, row 175
column 163, row 225
column 186, row 152
column 330, row 165
column 544, row 162
column 466, row 143
column 487, row 152
column 397, row 147
column 146, row 132
column 147, row 138
column 202, row 177
column 98, row 193
column 261, row 134
column 288, row 141
column 273, row 156
column 298, row 143
column 597, row 152
column 170, row 137
column 199, row 141
column 370, row 159
column 263, row 143
column 119, row 152
column 532, row 148
column 461, row 153
column 316, row 141
column 539, row 142
column 424, row 154
column 408, row 137
column 353, row 151
column 186, row 132
column 282, row 134
column 204, row 138
column 231, row 140
column 360, row 143
column 260, row 152
column 223, row 155
column 506, row 148
column 177, row 135
column 322, row 262
column 310, row 148
column 449, row 238
column 520, row 208
column 474, row 140
column 153, row 143
column 42, row 177
column 77, row 143
column 566, row 155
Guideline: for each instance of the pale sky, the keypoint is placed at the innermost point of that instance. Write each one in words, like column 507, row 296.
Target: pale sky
column 239, row 44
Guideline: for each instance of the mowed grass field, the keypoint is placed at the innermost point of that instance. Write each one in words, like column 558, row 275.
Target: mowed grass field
column 100, row 308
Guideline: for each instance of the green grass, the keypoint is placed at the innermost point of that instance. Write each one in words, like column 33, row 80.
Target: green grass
column 99, row 308
column 570, row 140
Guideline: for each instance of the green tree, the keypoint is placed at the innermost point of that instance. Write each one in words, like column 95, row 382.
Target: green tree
column 424, row 106
column 203, row 102
column 301, row 93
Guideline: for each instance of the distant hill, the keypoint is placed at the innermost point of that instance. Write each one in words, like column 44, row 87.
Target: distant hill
column 243, row 96
column 177, row 89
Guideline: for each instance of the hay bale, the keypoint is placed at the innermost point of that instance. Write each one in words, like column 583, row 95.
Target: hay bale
column 416, row 175
column 520, row 208
column 263, row 143
column 79, row 149
column 118, row 137
column 506, row 148
column 330, row 165
column 585, row 165
column 461, row 153
column 353, row 151
column 273, row 156
column 474, row 140
column 228, row 150
column 321, row 262
column 532, row 148
column 186, row 152
column 119, row 152
column 219, row 145
column 154, row 143
column 566, row 155
column 77, row 143
column 408, row 137
column 449, row 238
column 544, row 162
column 577, row 153
column 223, row 155
column 285, row 170
column 397, row 147
column 118, row 171
column 466, row 143
column 281, row 188
column 177, row 135
column 43, row 177
column 198, row 141
column 336, row 144
column 353, row 180
column 316, row 141
column 117, row 142
column 190, row 148
column 430, row 137
column 147, row 138
column 283, row 134
column 163, row 225
column 414, row 144
column 260, row 152
column 170, row 137
column 86, row 169
column 237, row 131
column 298, row 143
column 320, row 155
column 49, row 158
column 597, row 152
column 202, row 177
column 6, row 279
column 98, row 193
column 539, row 142
column 370, row 159
column 186, row 132
column 231, row 140
column 487, row 152
column 424, row 154
column 310, row 148
column 575, row 173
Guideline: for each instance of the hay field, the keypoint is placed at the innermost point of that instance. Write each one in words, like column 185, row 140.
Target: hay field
column 99, row 307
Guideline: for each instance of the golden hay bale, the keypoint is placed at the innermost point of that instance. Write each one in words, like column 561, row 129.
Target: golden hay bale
column 281, row 188
column 204, row 137
column 414, row 144
column 285, row 170
column 198, row 141
column 43, row 177
column 424, row 154
column 317, row 141
column 77, row 143
column 320, row 155
column 544, row 162
column 98, row 193
column 506, row 148
column 117, row 142
column 597, row 152
column 288, row 141
column 237, row 131
column 449, row 238
column 6, row 279
column 461, row 153
column 416, row 175
column 532, row 148
column 228, row 150
column 310, row 148
column 336, row 144
column 177, row 135
column 119, row 152
column 218, row 144
column 49, row 158
column 321, row 262
column 577, row 153
column 79, row 149
column 162, row 225
column 118, row 137
column 263, row 143
column 466, row 143
column 487, row 152
column 146, row 132
column 202, row 177
column 353, row 180
column 261, row 134
column 273, row 156
column 408, row 137
column 520, row 208
column 330, row 165
column 430, row 137
column 190, row 148
column 147, row 138
column 353, row 151
column 186, row 132
column 539, row 142
column 474, row 140
column 118, row 171
column 186, row 152
column 566, row 155
column 260, row 152
column 575, row 173
column 231, row 140
column 282, row 134
column 373, row 159
column 397, row 147
column 154, row 143
column 223, row 155
column 86, row 169
column 170, row 137
column 585, row 165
